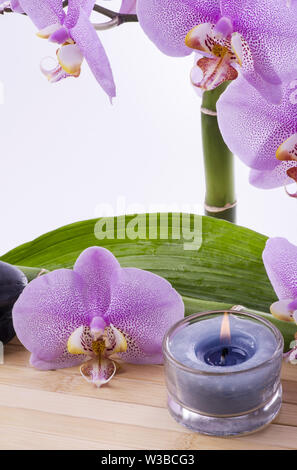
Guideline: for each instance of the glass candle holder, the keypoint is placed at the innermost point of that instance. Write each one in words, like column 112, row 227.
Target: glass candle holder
column 223, row 386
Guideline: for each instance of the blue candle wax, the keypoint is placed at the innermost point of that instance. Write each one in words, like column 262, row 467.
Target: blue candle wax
column 233, row 376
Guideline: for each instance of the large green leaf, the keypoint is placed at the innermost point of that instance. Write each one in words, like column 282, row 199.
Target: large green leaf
column 225, row 271
column 227, row 268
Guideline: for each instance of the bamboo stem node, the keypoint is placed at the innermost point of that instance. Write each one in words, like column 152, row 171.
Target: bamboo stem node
column 214, row 209
column 208, row 112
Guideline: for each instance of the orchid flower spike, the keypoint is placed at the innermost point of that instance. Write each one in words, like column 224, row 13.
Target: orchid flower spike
column 76, row 37
column 280, row 260
column 87, row 315
column 263, row 135
column 258, row 37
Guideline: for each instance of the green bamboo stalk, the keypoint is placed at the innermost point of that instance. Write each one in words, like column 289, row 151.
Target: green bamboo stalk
column 220, row 200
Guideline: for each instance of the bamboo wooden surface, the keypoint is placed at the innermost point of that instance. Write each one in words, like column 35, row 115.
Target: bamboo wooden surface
column 59, row 410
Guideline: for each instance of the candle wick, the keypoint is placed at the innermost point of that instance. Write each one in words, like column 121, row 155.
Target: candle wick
column 224, row 354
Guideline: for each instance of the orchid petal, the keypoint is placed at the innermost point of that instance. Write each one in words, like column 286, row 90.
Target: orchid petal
column 167, row 22
column 62, row 308
column 115, row 341
column 70, row 58
column 57, row 8
column 274, row 47
column 65, row 360
column 252, row 127
column 128, row 7
column 237, row 47
column 40, row 12
column 98, row 371
column 155, row 306
column 87, row 6
column 272, row 92
column 46, row 32
column 280, row 260
column 288, row 149
column 89, row 43
column 98, row 268
column 267, row 28
column 203, row 38
column 48, row 311
column 282, row 310
column 81, row 341
column 73, row 11
column 281, row 175
column 16, row 7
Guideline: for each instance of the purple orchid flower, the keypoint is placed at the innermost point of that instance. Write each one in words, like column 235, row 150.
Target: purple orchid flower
column 75, row 35
column 128, row 6
column 280, row 260
column 263, row 135
column 96, row 310
column 257, row 36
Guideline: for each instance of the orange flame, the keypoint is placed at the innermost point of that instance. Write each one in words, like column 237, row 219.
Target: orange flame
column 225, row 335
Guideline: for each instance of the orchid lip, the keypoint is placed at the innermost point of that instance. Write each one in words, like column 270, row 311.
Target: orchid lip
column 70, row 58
column 292, row 173
column 69, row 63
column 214, row 72
column 213, row 42
column 293, row 195
column 56, row 73
column 99, row 342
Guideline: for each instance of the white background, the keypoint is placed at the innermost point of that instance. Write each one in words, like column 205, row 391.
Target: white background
column 65, row 150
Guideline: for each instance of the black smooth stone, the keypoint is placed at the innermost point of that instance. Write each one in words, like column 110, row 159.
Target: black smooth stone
column 12, row 283
column 6, row 330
